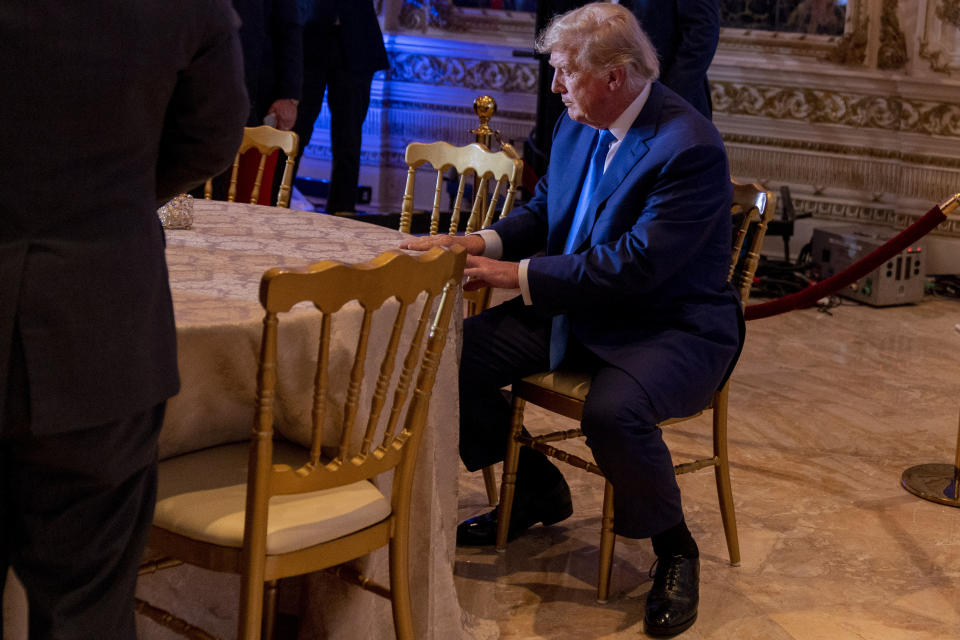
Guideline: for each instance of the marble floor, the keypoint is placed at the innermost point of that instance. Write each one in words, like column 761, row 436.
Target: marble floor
column 826, row 411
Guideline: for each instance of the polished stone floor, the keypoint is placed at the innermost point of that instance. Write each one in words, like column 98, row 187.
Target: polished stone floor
column 826, row 411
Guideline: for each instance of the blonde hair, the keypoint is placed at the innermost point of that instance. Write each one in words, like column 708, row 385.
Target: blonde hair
column 603, row 36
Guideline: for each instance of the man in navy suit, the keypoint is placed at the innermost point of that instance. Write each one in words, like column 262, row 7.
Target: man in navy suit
column 630, row 237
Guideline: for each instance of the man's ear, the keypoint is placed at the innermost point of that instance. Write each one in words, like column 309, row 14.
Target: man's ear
column 616, row 78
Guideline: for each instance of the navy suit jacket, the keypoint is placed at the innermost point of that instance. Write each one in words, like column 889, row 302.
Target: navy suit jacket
column 647, row 289
column 685, row 34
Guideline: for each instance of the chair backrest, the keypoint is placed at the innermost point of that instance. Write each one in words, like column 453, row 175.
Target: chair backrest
column 471, row 162
column 752, row 208
column 393, row 283
column 265, row 140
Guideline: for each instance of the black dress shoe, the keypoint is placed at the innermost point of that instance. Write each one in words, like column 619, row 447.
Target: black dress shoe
column 673, row 599
column 549, row 508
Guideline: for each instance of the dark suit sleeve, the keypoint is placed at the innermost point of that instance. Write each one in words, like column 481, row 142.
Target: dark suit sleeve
column 698, row 23
column 287, row 35
column 524, row 231
column 206, row 113
column 677, row 218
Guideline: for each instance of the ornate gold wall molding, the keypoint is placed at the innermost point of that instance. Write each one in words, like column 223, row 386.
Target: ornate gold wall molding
column 817, row 106
column 949, row 12
column 465, row 73
column 422, row 15
column 893, row 45
column 935, row 57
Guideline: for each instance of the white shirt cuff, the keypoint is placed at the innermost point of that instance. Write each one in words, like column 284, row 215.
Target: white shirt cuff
column 524, row 285
column 493, row 245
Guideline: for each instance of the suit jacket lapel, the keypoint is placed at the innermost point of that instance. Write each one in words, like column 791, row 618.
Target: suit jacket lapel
column 632, row 149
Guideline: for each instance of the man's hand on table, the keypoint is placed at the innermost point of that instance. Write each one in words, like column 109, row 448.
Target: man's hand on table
column 480, row 271
column 473, row 243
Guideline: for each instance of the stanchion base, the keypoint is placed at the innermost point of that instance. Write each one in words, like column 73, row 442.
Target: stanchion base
column 934, row 482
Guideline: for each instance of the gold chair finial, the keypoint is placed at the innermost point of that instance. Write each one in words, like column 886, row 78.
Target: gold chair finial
column 485, row 107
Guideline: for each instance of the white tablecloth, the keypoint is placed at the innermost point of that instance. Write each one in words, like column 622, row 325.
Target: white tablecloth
column 215, row 269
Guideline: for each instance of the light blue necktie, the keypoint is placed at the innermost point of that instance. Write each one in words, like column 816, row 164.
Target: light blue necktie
column 560, row 329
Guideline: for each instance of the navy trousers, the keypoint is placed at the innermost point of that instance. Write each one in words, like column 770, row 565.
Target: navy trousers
column 510, row 341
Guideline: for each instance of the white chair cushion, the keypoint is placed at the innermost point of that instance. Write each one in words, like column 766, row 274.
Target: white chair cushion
column 202, row 495
column 569, row 383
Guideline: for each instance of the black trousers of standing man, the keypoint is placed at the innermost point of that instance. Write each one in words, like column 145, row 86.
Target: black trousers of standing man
column 75, row 512
column 325, row 70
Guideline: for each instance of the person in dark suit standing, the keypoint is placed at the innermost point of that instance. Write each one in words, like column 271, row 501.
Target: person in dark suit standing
column 685, row 34
column 342, row 49
column 121, row 106
column 270, row 36
column 633, row 222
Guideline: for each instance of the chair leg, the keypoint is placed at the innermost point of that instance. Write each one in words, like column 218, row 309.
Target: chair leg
column 400, row 583
column 607, row 539
column 722, row 472
column 269, row 621
column 508, row 484
column 490, row 482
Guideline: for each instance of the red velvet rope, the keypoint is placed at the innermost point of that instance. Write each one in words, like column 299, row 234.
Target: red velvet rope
column 809, row 296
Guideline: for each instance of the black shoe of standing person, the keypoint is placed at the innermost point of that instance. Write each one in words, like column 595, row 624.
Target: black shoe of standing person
column 673, row 599
column 549, row 507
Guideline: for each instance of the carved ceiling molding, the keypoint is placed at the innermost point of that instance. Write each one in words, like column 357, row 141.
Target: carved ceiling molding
column 464, row 73
column 861, row 111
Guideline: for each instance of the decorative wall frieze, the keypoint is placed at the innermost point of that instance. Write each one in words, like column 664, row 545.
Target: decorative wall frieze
column 867, row 170
column 825, row 148
column 816, row 106
column 845, row 211
column 462, row 72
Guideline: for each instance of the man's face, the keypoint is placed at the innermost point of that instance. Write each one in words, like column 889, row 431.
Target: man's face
column 584, row 94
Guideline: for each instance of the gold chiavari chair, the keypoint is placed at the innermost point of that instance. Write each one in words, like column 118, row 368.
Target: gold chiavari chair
column 269, row 509
column 265, row 140
column 495, row 177
column 564, row 392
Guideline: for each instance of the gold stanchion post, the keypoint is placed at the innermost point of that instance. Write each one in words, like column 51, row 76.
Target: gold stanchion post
column 938, row 483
